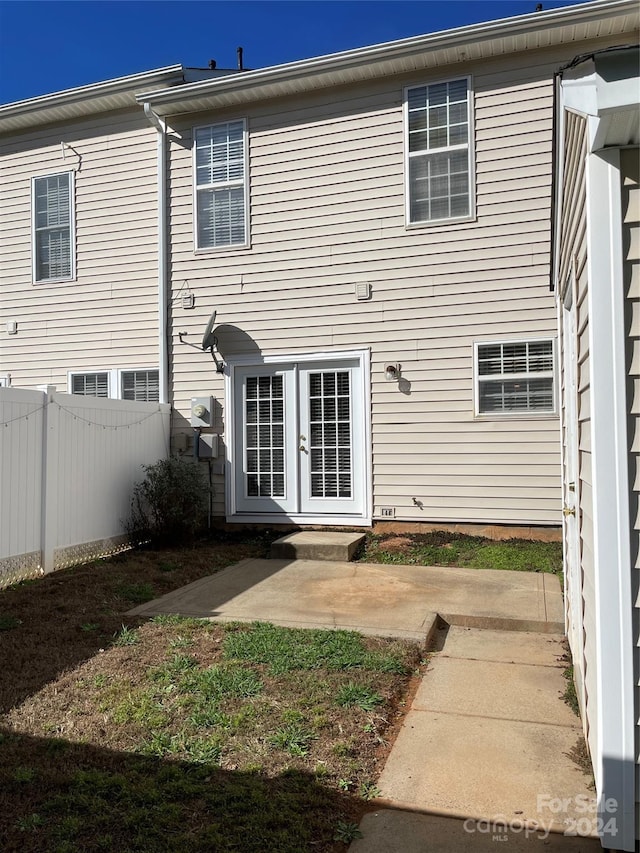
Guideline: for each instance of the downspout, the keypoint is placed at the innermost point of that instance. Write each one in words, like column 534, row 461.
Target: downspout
column 163, row 284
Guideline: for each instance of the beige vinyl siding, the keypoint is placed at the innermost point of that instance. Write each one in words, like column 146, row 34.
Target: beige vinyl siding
column 107, row 317
column 630, row 174
column 327, row 212
column 575, row 264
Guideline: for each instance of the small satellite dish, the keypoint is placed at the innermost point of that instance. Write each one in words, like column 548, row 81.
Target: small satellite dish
column 209, row 339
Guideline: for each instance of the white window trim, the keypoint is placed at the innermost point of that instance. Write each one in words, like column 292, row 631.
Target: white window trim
column 114, row 378
column 201, row 250
column 471, row 155
column 111, row 376
column 72, row 227
column 492, row 416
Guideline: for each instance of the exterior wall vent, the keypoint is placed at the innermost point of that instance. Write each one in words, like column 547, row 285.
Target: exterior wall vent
column 387, row 512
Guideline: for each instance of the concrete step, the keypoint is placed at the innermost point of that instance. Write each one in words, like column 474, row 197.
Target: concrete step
column 316, row 545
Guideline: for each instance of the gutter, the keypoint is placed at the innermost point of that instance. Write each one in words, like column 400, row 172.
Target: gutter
column 451, row 39
column 120, row 86
column 163, row 284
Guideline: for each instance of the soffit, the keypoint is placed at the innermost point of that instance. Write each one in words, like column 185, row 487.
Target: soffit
column 86, row 100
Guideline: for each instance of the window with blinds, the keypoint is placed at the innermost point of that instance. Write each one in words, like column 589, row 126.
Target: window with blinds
column 439, row 150
column 221, row 185
column 52, row 208
column 515, row 377
column 140, row 385
column 90, row 384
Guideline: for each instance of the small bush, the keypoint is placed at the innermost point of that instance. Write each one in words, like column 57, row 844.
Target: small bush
column 170, row 505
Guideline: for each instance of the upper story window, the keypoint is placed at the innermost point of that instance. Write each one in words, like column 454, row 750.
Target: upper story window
column 53, row 243
column 221, row 185
column 439, row 152
column 515, row 377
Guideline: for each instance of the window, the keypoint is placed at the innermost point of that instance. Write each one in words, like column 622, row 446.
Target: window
column 439, row 168
column 140, row 385
column 515, row 377
column 221, row 185
column 90, row 384
column 52, row 208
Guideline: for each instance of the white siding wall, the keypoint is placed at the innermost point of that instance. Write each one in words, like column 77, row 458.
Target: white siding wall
column 630, row 171
column 327, row 211
column 107, row 318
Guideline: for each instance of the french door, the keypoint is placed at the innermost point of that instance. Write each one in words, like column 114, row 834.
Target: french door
column 299, row 438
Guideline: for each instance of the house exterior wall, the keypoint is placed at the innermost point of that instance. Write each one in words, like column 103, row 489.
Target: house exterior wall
column 630, row 175
column 107, row 317
column 573, row 274
column 327, row 212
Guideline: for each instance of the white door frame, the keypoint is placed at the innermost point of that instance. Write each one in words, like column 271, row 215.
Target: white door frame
column 233, row 363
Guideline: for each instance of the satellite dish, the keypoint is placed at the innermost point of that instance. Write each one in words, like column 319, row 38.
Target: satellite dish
column 209, row 339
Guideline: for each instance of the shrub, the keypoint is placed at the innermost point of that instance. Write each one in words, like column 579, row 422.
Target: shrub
column 170, row 504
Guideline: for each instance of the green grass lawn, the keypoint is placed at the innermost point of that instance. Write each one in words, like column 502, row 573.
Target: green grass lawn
column 441, row 548
column 184, row 735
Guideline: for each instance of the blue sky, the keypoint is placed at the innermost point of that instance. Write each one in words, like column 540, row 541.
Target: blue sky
column 48, row 46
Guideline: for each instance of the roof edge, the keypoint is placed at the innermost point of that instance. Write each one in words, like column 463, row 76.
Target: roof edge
column 115, row 86
column 451, row 38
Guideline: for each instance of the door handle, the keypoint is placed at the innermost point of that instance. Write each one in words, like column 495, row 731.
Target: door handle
column 568, row 510
column 303, row 448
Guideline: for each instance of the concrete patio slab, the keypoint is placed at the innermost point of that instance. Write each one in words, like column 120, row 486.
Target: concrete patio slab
column 394, row 831
column 386, row 600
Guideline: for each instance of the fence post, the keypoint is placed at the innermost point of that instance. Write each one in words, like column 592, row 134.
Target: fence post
column 50, row 426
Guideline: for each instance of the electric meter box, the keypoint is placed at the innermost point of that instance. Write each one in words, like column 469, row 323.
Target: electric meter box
column 202, row 412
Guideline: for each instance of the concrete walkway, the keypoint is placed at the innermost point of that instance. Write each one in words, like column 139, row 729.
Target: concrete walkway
column 484, row 754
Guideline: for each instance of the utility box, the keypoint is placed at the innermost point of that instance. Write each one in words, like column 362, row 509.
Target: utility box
column 201, row 412
column 208, row 446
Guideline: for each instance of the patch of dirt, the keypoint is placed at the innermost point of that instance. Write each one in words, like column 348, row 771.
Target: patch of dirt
column 397, row 543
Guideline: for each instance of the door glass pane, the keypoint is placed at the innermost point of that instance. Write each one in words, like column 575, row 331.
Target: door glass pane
column 264, row 436
column 330, row 434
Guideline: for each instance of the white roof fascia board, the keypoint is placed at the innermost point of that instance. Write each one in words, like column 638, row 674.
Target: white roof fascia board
column 592, row 90
column 500, row 37
column 84, row 100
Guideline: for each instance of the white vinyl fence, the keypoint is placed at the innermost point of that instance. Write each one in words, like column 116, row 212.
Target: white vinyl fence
column 68, row 466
